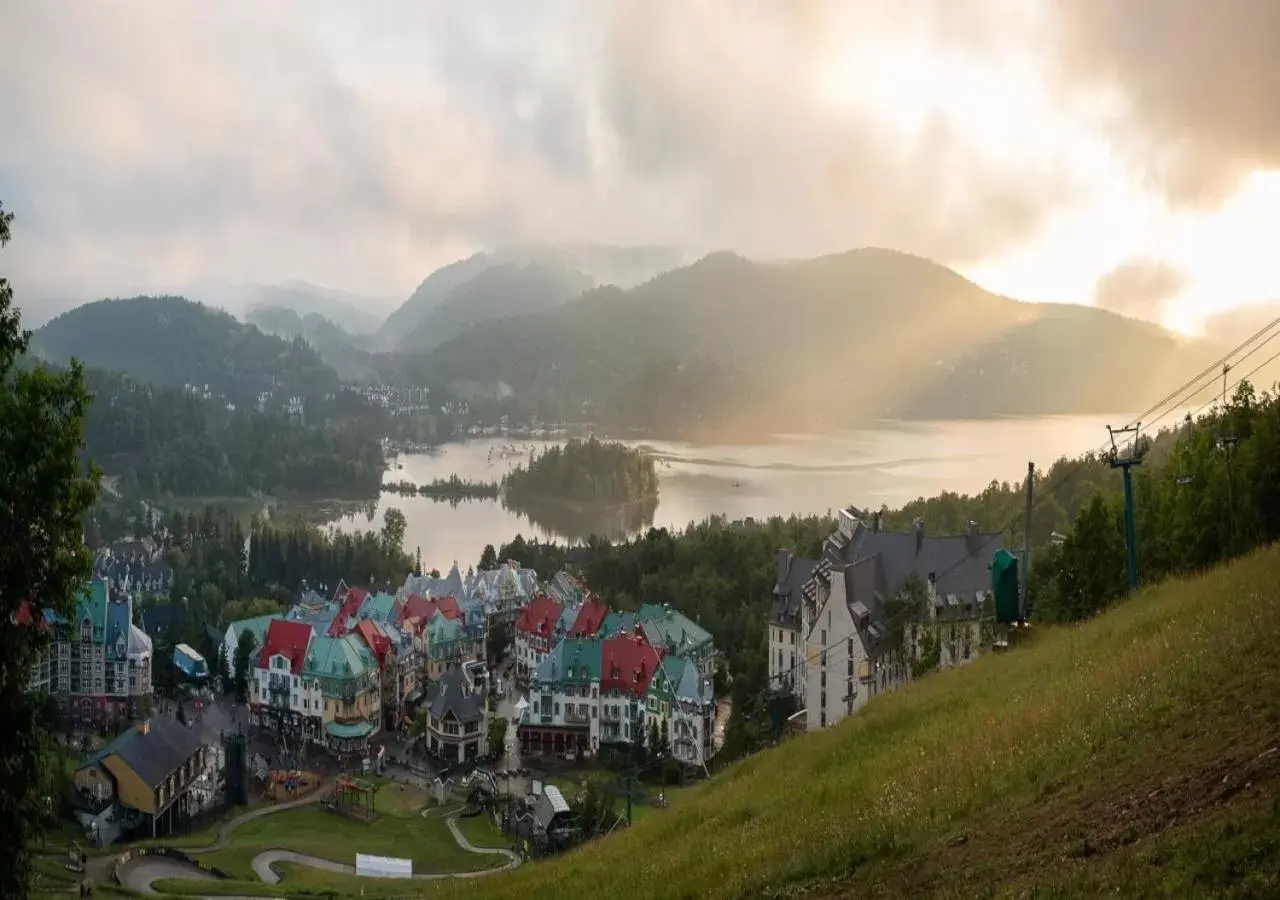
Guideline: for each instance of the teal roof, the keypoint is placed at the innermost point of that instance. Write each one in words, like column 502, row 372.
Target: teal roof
column 573, row 660
column 679, row 679
column 344, row 657
column 92, row 604
column 343, row 730
column 617, row 622
column 378, row 607
column 256, row 626
column 672, row 631
column 444, row 629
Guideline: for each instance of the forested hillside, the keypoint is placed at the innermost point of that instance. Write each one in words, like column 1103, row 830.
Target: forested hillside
column 165, row 441
column 172, row 342
column 733, row 345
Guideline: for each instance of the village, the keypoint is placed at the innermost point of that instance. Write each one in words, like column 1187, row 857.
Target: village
column 496, row 689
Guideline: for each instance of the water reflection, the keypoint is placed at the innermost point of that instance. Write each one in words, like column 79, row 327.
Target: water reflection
column 576, row 522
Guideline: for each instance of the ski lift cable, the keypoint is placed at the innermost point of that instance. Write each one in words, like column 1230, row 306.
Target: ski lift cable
column 1048, row 490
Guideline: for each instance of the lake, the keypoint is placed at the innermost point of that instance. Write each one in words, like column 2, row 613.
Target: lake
column 803, row 474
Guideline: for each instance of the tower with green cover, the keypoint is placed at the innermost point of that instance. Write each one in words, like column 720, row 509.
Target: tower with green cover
column 1004, row 586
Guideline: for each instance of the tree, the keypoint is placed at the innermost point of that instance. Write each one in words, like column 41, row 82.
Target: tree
column 488, row 558
column 45, row 495
column 244, row 661
column 394, row 526
column 495, row 640
column 497, row 737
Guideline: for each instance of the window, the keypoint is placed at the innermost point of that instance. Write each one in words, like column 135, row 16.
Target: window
column 822, row 718
column 555, row 708
column 823, row 682
column 850, row 663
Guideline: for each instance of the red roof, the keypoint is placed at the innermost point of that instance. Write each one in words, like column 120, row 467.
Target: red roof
column 28, row 614
column 540, row 616
column 376, row 640
column 590, row 618
column 350, row 606
column 285, row 638
column 627, row 663
column 424, row 609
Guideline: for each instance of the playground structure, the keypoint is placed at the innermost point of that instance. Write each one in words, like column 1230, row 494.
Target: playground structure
column 289, row 784
column 353, row 797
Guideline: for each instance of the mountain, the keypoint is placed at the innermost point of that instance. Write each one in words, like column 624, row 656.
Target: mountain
column 173, row 342
column 496, row 292
column 1134, row 755
column 346, row 353
column 353, row 313
column 602, row 264
column 728, row 345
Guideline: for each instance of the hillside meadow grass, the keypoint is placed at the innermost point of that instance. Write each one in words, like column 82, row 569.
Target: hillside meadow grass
column 1138, row 753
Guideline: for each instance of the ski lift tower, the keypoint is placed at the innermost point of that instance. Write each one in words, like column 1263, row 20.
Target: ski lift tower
column 1125, row 458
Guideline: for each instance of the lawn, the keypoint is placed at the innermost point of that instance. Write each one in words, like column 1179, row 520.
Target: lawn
column 398, row 831
column 1137, row 754
column 482, row 832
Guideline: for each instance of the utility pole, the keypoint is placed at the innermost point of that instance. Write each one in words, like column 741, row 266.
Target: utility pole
column 629, row 781
column 1132, row 457
column 1026, row 541
column 1227, row 439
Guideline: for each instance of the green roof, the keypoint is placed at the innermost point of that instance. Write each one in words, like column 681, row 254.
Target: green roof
column 617, row 622
column 444, row 629
column 575, row 656
column 679, row 679
column 256, row 626
column 671, row 630
column 343, row 730
column 92, row 604
column 344, row 657
column 378, row 607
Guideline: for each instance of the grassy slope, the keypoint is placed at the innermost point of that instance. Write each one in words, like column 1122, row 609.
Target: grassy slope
column 1134, row 754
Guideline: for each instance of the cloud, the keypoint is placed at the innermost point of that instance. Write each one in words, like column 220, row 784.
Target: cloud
column 1139, row 288
column 1195, row 85
column 149, row 146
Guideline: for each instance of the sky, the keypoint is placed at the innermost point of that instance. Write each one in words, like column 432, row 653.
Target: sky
column 1123, row 154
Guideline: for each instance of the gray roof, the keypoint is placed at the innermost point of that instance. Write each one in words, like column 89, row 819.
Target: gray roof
column 792, row 573
column 156, row 755
column 452, row 693
column 961, row 563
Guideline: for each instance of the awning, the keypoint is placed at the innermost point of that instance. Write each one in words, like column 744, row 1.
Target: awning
column 343, row 730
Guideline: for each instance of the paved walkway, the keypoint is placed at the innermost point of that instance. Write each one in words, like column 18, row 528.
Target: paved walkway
column 140, row 873
column 263, row 863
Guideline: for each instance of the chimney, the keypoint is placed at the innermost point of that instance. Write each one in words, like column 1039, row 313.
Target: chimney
column 972, row 538
column 917, row 527
column 875, row 521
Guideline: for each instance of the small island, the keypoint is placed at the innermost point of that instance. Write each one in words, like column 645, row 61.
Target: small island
column 451, row 488
column 584, row 473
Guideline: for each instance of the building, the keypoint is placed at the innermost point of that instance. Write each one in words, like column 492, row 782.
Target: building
column 449, row 644
column 456, row 723
column 786, row 643
column 589, row 692
column 853, row 654
column 97, row 663
column 281, row 700
column 150, row 772
column 347, row 689
column 683, row 702
column 677, row 635
column 837, row 609
column 537, row 632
